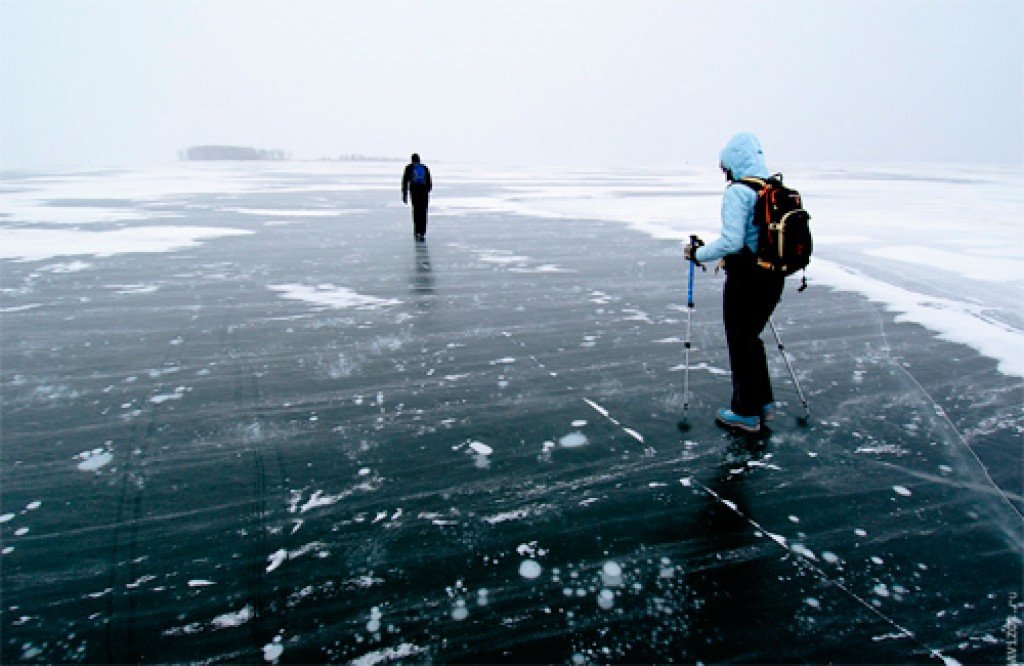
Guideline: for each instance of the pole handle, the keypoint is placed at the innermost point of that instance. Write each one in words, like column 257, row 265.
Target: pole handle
column 695, row 243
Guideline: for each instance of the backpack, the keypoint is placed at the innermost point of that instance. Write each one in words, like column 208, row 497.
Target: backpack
column 783, row 227
column 419, row 174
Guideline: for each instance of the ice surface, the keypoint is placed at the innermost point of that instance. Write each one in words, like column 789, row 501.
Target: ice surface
column 276, row 212
column 892, row 212
column 324, row 443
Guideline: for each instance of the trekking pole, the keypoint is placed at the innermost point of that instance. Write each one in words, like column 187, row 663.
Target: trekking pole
column 684, row 424
column 782, row 350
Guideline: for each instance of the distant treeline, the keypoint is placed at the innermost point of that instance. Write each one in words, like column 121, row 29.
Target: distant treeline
column 231, row 153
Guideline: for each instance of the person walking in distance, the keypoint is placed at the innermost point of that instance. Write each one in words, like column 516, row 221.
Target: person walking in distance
column 750, row 295
column 416, row 182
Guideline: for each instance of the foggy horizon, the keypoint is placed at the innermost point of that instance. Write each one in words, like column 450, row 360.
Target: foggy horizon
column 529, row 83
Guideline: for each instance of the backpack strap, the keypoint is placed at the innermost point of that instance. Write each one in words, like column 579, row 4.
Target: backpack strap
column 760, row 186
column 756, row 184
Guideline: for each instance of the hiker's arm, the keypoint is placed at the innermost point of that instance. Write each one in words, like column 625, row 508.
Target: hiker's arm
column 737, row 214
column 405, row 184
column 430, row 183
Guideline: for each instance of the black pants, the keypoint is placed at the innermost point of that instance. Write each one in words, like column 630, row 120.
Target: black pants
column 420, row 202
column 749, row 298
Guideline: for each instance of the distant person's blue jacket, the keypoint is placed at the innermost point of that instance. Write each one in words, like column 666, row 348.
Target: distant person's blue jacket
column 743, row 157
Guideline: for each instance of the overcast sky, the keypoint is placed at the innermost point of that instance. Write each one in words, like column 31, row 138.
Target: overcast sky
column 631, row 82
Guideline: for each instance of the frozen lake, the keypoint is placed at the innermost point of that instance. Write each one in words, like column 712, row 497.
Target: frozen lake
column 247, row 418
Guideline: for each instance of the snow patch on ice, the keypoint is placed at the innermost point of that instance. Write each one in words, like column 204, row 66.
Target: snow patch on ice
column 273, row 650
column 39, row 244
column 701, row 366
column 542, row 268
column 167, row 397
column 502, row 257
column 280, row 212
column 516, row 514
column 402, row 651
column 20, row 308
column 236, row 619
column 67, row 267
column 953, row 320
column 93, row 460
column 331, row 296
column 883, row 449
column 276, row 559
column 573, row 440
column 996, row 269
column 318, row 499
column 135, row 289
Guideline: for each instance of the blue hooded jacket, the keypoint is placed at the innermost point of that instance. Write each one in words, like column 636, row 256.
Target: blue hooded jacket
column 743, row 157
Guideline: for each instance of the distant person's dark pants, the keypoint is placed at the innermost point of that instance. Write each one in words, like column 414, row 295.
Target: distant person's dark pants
column 420, row 202
column 749, row 298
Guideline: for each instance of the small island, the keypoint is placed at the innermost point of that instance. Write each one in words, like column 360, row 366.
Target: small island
column 236, row 153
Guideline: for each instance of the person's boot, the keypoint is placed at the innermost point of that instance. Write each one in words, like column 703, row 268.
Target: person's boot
column 729, row 419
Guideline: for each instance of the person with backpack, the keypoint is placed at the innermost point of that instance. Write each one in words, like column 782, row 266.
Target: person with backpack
column 416, row 181
column 756, row 265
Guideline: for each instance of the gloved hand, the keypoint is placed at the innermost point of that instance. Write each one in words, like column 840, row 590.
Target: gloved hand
column 405, row 199
column 690, row 253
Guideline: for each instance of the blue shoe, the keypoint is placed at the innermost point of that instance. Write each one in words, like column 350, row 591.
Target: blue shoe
column 768, row 411
column 728, row 419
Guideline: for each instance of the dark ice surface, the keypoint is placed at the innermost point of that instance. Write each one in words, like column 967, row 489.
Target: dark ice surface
column 197, row 468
